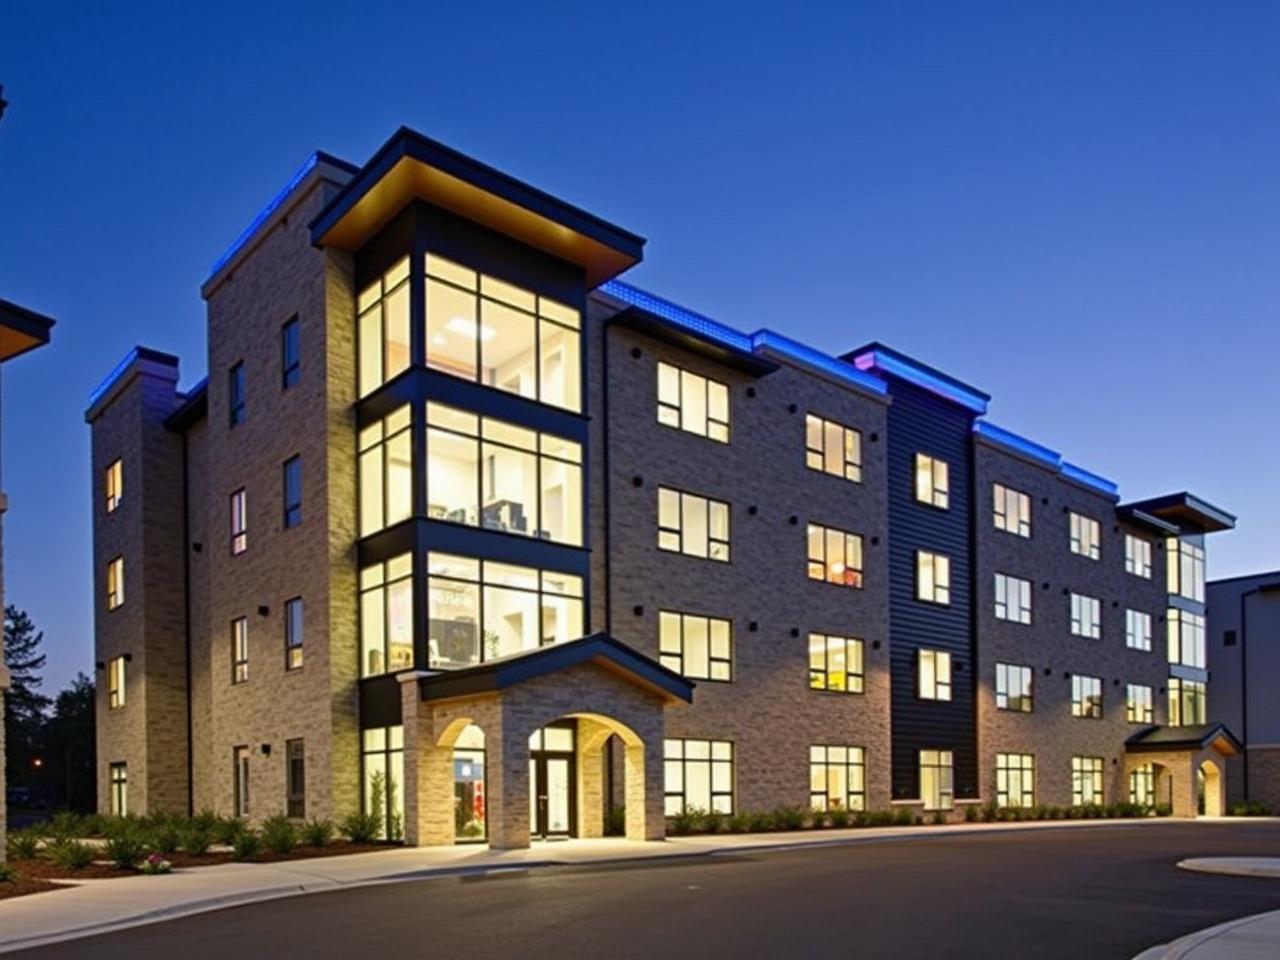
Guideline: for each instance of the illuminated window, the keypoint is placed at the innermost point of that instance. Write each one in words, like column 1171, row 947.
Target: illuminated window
column 292, row 492
column 693, row 646
column 382, row 326
column 386, row 616
column 1142, row 785
column 835, row 556
column 295, row 773
column 1086, row 616
column 693, row 525
column 698, row 775
column 1186, row 568
column 1013, row 688
column 483, row 329
column 382, row 792
column 1187, row 702
column 386, row 472
column 1013, row 598
column 1137, row 556
column 692, row 402
column 833, row 448
column 493, row 474
column 936, row 779
column 933, row 577
column 290, row 354
column 119, row 776
column 931, row 481
column 1086, row 697
column 1186, row 638
column 115, row 583
column 1086, row 536
column 837, row 778
column 934, row 674
column 236, row 395
column 1137, row 630
column 1012, row 510
column 239, row 522
column 1138, row 704
column 1086, row 781
column 115, row 683
column 114, row 485
column 293, row 633
column 1015, row 780
column 835, row 663
column 480, row 610
column 239, row 650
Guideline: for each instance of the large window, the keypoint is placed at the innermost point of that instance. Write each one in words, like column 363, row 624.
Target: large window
column 1086, row 616
column 239, row 522
column 835, row 556
column 1186, row 568
column 290, row 354
column 933, row 674
column 1137, row 630
column 1142, row 785
column 1013, row 688
column 295, row 773
column 386, row 472
column 115, row 583
column 1086, row 536
column 1187, row 702
column 113, row 482
column 936, row 779
column 1015, row 780
column 293, row 633
column 480, row 328
column 119, row 776
column 239, row 650
column 383, row 327
column 489, row 473
column 837, row 778
column 1086, row 697
column 1138, row 704
column 832, row 448
column 1012, row 510
column 694, row 525
column 698, row 775
column 481, row 609
column 292, row 492
column 835, row 663
column 692, row 402
column 382, row 761
column 1086, row 781
column 1013, row 598
column 236, row 395
column 933, row 577
column 932, row 481
column 1186, row 638
column 386, row 616
column 1137, row 556
column 697, row 647
column 116, row 683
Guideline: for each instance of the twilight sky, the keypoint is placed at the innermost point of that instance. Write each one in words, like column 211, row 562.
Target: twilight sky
column 1072, row 205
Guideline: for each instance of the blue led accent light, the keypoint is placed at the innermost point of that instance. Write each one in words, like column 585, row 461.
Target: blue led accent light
column 987, row 429
column 880, row 360
column 116, row 373
column 1080, row 475
column 265, row 213
column 768, row 339
column 695, row 323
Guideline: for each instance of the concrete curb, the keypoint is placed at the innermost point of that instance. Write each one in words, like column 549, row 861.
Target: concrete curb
column 1234, row 866
column 1184, row 947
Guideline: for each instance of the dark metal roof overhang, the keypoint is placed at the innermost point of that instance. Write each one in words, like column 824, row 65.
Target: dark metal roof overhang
column 661, row 328
column 1186, row 511
column 21, row 329
column 600, row 649
column 1154, row 739
column 193, row 409
column 411, row 166
column 1150, row 521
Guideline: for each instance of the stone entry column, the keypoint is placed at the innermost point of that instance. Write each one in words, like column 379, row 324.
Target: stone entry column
column 507, row 787
column 644, row 787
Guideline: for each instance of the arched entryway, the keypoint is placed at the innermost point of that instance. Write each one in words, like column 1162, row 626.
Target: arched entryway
column 1212, row 790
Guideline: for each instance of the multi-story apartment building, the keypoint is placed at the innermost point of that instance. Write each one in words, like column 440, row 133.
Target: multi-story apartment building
column 21, row 330
column 465, row 530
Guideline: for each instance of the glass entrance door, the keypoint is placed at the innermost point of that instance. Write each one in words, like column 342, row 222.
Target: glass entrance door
column 552, row 800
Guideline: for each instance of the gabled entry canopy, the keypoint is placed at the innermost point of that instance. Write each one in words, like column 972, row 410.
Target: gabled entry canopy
column 1200, row 737
column 599, row 648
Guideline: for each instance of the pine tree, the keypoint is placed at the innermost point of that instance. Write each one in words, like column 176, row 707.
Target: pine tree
column 24, row 703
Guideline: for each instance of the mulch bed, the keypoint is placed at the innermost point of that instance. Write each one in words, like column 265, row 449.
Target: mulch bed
column 336, row 849
column 42, row 869
column 23, row 886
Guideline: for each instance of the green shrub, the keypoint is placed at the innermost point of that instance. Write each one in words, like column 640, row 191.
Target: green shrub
column 246, row 845
column 616, row 822
column 938, row 818
column 739, row 823
column 317, row 833
column 762, row 821
column 1164, row 809
column 839, row 818
column 8, row 874
column 70, row 854
column 227, row 829
column 94, row 824
column 1250, row 809
column 196, row 838
column 125, row 847
column 971, row 813
column 687, row 821
column 166, row 837
column 24, row 844
column 64, row 826
column 206, row 819
column 279, row 835
column 904, row 817
column 790, row 818
column 362, row 827
column 713, row 821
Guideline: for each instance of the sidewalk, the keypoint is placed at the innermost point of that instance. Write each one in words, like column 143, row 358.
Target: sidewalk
column 100, row 906
column 1252, row 938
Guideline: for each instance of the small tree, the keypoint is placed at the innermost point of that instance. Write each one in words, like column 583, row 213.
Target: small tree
column 24, row 703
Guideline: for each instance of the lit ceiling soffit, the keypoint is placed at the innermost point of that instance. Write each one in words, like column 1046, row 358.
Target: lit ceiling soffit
column 21, row 330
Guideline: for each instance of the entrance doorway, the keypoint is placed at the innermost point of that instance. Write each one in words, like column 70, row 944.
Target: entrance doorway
column 552, row 795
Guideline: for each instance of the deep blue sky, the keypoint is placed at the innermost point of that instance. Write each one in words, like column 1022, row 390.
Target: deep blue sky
column 1074, row 206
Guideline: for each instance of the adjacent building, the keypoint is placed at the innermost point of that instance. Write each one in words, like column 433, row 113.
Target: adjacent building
column 467, row 532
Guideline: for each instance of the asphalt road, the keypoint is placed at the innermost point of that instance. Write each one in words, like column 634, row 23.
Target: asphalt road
column 1083, row 894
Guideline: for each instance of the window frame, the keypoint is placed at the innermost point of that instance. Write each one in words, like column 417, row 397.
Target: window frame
column 294, row 638
column 714, row 428
column 118, row 779
column 386, row 580
column 1078, row 606
column 820, row 677
column 1093, row 768
column 713, row 763
column 930, row 758
column 295, row 778
column 239, row 650
column 718, row 549
column 935, row 675
column 1138, row 552
column 115, row 583
column 1017, row 521
column 1019, row 767
column 1138, row 630
column 1139, row 709
column 932, row 481
column 1085, row 536
column 240, row 781
column 1021, row 699
column 822, row 765
column 1186, row 634
column 1086, row 697
column 933, row 577
column 677, row 659
column 113, row 485
column 290, row 353
column 1002, row 582
column 237, row 390
column 292, row 515
column 389, row 284
column 820, row 569
column 117, row 679
column 239, row 521
column 1185, row 561
column 850, row 461
column 378, row 450
column 1184, row 694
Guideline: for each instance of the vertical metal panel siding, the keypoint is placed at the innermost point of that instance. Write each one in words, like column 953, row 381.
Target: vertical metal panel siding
column 921, row 422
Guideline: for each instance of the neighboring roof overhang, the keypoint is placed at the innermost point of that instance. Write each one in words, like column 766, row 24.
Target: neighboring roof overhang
column 662, row 328
column 1214, row 735
column 887, row 361
column 1150, row 521
column 600, row 649
column 1186, row 511
column 21, row 330
column 411, row 166
column 193, row 409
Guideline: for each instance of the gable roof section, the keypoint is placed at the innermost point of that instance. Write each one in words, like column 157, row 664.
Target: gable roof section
column 1185, row 738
